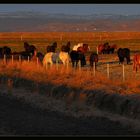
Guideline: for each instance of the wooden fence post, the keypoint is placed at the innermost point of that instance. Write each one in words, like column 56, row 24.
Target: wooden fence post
column 97, row 50
column 19, row 58
column 94, row 69
column 4, row 59
column 28, row 58
column 108, row 70
column 123, row 73
column 12, row 59
column 37, row 61
column 79, row 66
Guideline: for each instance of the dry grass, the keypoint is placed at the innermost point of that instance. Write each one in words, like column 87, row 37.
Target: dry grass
column 74, row 78
column 79, row 89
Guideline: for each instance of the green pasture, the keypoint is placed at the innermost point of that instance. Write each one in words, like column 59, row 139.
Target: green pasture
column 41, row 44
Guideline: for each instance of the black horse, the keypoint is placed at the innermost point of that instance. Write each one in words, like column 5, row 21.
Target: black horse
column 77, row 56
column 23, row 54
column 52, row 48
column 5, row 51
column 29, row 48
column 122, row 54
column 40, row 56
column 66, row 48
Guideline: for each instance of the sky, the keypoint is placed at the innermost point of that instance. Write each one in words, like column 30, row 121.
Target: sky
column 78, row 9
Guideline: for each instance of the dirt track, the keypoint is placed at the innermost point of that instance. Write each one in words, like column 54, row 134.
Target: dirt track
column 18, row 118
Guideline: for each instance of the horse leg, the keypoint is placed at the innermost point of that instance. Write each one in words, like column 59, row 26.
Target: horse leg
column 91, row 64
column 76, row 63
column 72, row 63
column 128, row 60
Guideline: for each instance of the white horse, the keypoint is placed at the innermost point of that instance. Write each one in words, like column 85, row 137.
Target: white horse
column 64, row 57
column 75, row 47
column 52, row 58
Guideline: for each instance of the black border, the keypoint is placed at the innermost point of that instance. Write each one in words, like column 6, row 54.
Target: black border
column 69, row 2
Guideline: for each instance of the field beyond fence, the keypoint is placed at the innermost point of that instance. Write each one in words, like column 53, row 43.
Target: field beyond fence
column 41, row 40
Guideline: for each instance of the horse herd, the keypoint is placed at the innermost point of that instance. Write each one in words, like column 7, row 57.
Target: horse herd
column 70, row 56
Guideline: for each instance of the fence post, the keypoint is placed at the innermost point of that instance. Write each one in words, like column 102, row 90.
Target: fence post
column 97, row 50
column 28, row 58
column 94, row 68
column 79, row 66
column 4, row 59
column 19, row 58
column 37, row 61
column 108, row 70
column 123, row 73
column 12, row 59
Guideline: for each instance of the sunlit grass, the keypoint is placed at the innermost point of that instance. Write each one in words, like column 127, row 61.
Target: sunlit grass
column 74, row 78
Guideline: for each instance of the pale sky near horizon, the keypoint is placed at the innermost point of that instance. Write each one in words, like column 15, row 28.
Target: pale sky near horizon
column 79, row 9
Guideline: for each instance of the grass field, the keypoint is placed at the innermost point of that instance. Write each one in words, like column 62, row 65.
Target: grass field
column 42, row 40
column 111, row 94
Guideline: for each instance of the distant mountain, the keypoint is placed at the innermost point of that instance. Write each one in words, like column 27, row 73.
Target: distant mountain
column 21, row 21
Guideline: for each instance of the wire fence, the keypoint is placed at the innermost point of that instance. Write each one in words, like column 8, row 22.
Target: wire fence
column 112, row 69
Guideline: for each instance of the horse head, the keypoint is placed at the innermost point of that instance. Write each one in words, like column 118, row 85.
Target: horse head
column 84, row 48
column 66, row 48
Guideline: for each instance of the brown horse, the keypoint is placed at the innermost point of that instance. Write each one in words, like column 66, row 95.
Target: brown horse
column 106, row 48
column 136, row 62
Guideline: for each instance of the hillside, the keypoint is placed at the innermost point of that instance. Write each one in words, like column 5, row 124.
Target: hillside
column 40, row 22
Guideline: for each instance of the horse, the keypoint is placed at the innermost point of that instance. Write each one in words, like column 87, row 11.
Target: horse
column 61, row 57
column 64, row 57
column 136, row 62
column 93, row 59
column 38, row 55
column 78, row 54
column 29, row 48
column 106, row 48
column 64, row 53
column 103, row 48
column 52, row 48
column 5, row 51
column 66, row 48
column 124, row 53
column 50, row 58
column 24, row 55
column 112, row 48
